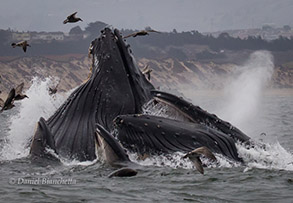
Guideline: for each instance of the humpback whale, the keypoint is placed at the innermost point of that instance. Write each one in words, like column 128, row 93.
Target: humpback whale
column 147, row 134
column 115, row 155
column 112, row 100
column 196, row 114
column 115, row 87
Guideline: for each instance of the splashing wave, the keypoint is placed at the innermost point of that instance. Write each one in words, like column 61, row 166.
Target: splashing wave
column 23, row 122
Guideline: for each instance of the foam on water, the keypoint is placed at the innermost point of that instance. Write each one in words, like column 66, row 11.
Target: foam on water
column 23, row 123
column 71, row 162
column 271, row 156
column 175, row 160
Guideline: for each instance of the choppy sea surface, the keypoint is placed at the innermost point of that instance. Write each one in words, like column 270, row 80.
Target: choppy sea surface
column 266, row 176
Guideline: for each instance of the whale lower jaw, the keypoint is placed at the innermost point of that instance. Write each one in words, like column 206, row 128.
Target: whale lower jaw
column 109, row 149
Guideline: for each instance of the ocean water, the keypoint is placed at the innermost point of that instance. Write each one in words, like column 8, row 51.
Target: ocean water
column 266, row 176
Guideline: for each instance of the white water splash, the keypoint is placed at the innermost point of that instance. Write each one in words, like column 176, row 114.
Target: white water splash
column 176, row 160
column 75, row 162
column 271, row 156
column 39, row 104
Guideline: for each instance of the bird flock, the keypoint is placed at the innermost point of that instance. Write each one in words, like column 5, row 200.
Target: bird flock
column 16, row 93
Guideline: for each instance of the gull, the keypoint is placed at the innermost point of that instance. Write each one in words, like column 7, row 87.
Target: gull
column 147, row 72
column 22, row 44
column 18, row 92
column 72, row 19
column 141, row 33
column 195, row 154
column 8, row 104
column 53, row 90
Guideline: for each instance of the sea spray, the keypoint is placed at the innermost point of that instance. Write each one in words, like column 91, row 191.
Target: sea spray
column 243, row 95
column 23, row 123
column 266, row 156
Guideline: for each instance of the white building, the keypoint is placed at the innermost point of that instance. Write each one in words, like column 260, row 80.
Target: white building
column 49, row 36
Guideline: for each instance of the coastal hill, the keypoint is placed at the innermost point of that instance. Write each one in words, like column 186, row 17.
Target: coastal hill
column 186, row 58
column 170, row 72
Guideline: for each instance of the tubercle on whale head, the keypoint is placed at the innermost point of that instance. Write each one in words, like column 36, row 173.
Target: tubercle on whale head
column 120, row 122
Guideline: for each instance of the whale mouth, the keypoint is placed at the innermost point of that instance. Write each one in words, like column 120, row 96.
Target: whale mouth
column 147, row 134
column 111, row 46
column 115, row 87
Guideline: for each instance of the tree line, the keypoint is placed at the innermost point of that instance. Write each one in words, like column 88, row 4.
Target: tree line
column 76, row 44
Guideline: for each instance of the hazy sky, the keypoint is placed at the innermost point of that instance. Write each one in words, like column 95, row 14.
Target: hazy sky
column 183, row 15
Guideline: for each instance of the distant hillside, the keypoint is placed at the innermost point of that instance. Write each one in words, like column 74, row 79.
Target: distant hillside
column 168, row 72
column 72, row 70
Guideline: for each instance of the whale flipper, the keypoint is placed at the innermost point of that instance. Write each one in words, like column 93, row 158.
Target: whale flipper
column 43, row 142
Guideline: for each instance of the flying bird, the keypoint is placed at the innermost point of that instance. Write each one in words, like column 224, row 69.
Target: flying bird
column 1, row 102
column 141, row 33
column 72, row 19
column 53, row 90
column 8, row 104
column 22, row 44
column 195, row 154
column 18, row 92
column 147, row 72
